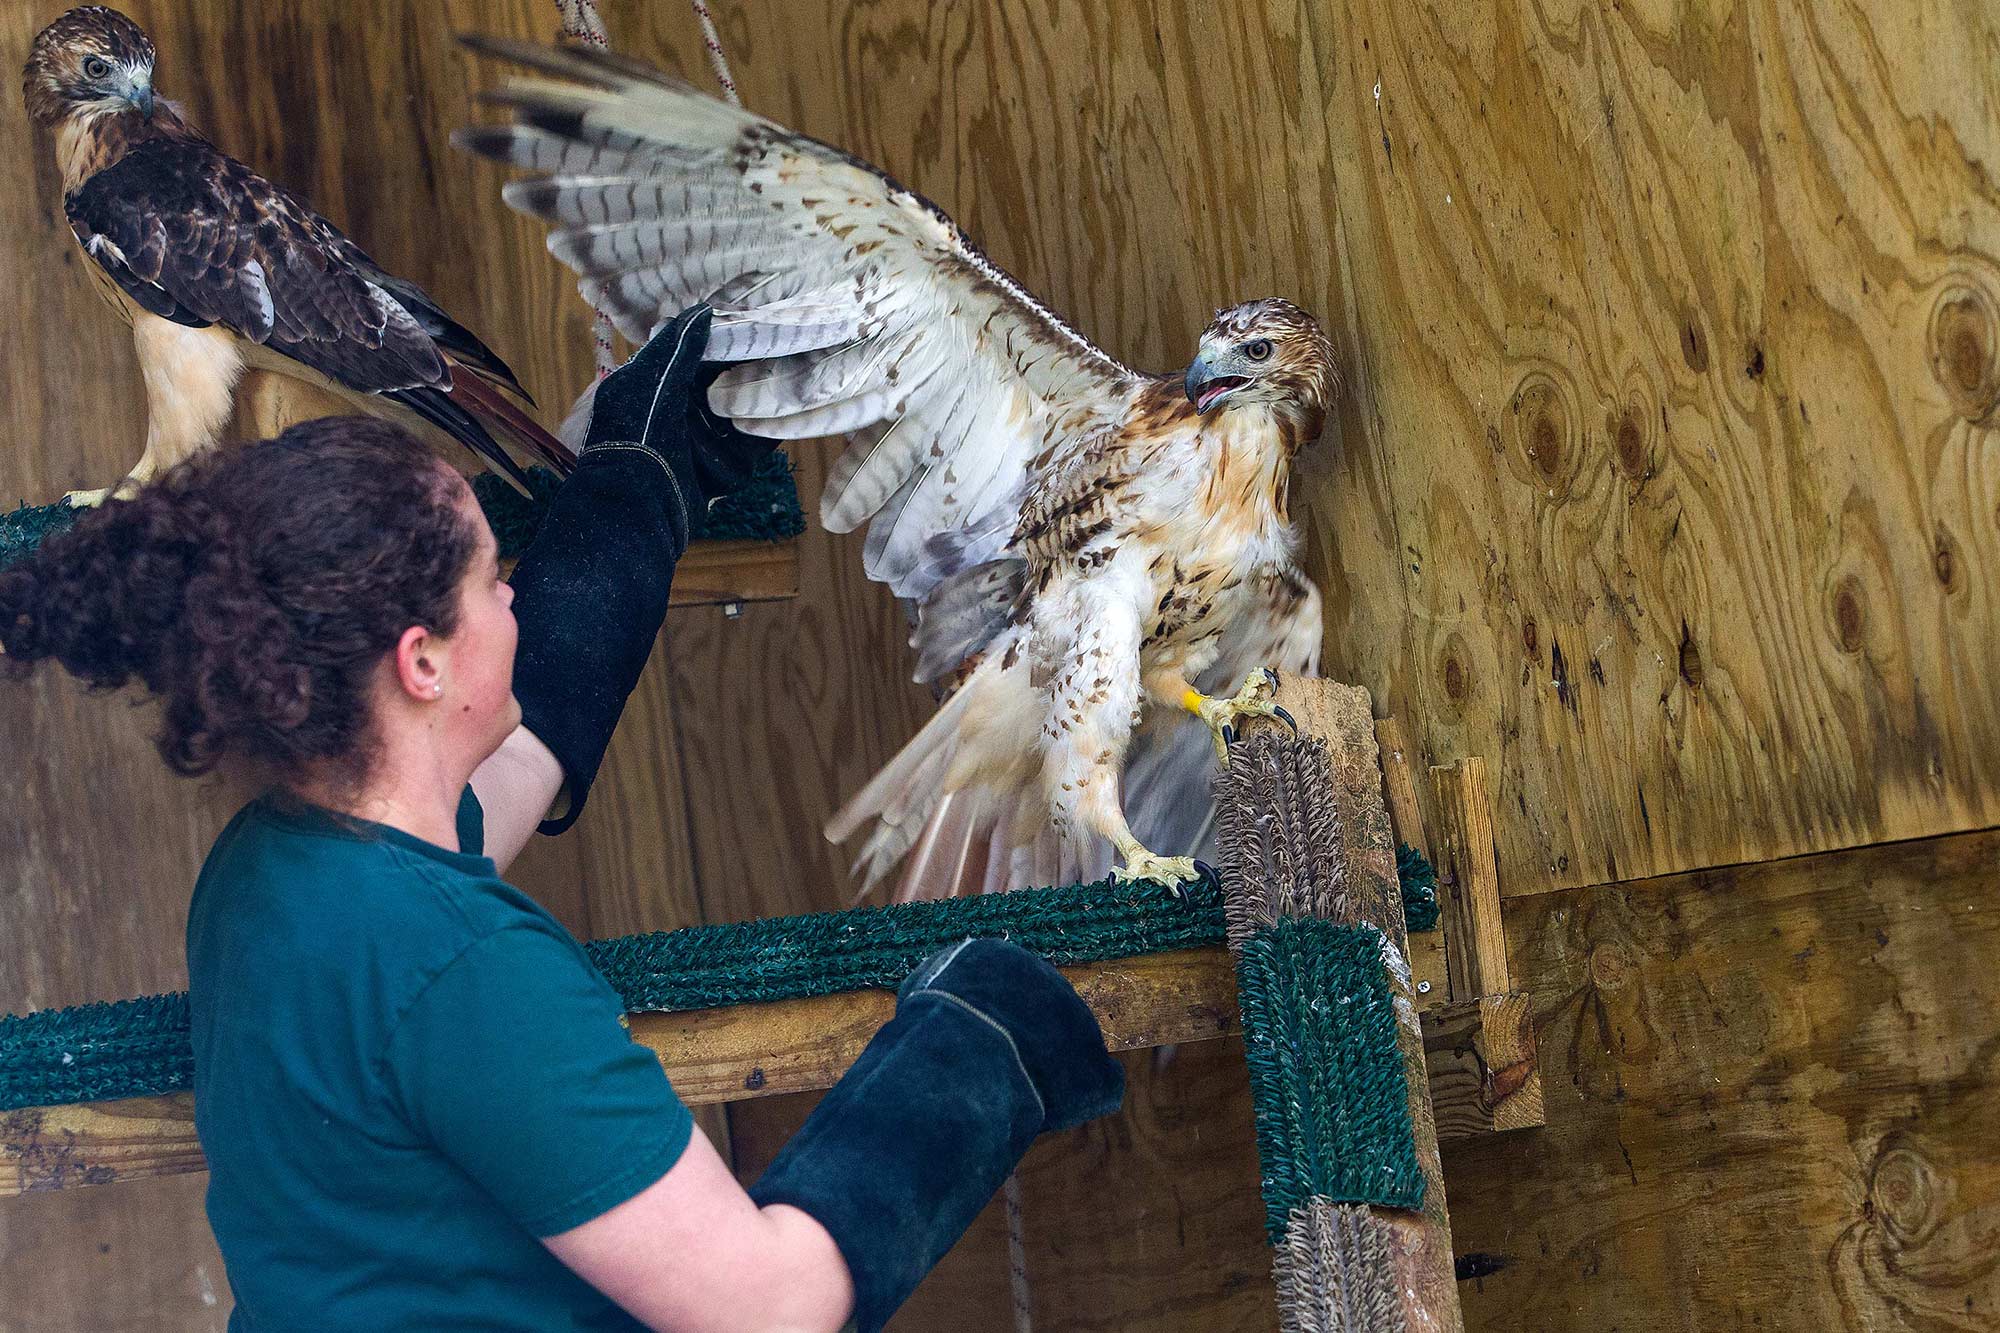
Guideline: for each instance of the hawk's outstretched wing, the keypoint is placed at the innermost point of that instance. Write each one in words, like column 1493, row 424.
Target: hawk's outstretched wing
column 862, row 307
column 194, row 236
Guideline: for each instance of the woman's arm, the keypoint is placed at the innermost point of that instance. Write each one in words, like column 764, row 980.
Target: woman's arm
column 516, row 786
column 692, row 1252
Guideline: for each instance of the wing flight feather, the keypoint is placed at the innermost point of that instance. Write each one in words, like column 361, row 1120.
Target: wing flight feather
column 853, row 304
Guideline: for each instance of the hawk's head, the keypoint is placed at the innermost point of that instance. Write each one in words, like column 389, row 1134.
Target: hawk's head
column 1268, row 352
column 91, row 61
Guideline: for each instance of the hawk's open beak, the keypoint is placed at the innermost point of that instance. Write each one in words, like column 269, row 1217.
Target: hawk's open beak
column 1205, row 387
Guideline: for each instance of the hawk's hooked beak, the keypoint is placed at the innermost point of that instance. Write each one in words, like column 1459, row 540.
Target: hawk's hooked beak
column 1205, row 386
column 140, row 95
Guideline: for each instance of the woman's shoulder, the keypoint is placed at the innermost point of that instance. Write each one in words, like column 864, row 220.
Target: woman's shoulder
column 299, row 874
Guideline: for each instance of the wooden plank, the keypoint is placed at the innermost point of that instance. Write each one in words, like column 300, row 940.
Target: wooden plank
column 1429, row 972
column 1484, row 1076
column 1692, row 479
column 1808, row 1040
column 1480, row 1077
column 1419, row 1243
column 1469, row 882
column 727, row 572
column 784, row 1046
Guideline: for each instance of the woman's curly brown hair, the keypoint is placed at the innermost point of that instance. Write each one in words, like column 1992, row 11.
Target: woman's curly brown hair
column 254, row 589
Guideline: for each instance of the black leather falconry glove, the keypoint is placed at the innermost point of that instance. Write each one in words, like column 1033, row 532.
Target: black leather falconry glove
column 590, row 594
column 989, row 1048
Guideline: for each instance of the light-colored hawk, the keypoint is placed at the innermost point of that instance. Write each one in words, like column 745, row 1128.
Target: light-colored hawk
column 1079, row 539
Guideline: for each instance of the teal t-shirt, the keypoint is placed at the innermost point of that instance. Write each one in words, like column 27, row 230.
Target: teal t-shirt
column 405, row 1072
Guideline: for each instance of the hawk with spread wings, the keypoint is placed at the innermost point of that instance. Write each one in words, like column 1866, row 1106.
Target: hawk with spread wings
column 217, row 270
column 1079, row 539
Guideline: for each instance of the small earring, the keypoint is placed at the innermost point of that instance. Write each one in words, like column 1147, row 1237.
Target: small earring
column 437, row 690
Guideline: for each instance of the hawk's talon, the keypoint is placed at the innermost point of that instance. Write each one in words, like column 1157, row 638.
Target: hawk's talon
column 88, row 499
column 1168, row 871
column 1252, row 699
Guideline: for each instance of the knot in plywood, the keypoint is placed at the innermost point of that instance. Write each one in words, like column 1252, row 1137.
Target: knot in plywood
column 1964, row 333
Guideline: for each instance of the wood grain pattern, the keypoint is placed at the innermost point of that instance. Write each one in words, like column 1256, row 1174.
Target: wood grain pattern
column 1674, row 330
column 1484, row 1076
column 1808, row 1042
column 1468, row 880
column 1666, row 481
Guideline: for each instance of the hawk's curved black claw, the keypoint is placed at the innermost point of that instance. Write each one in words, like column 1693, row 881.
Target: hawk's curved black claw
column 1229, row 734
column 1208, row 873
column 1285, row 718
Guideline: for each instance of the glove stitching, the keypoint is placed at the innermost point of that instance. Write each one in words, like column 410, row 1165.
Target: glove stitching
column 673, row 359
column 1006, row 1036
column 932, row 973
column 622, row 446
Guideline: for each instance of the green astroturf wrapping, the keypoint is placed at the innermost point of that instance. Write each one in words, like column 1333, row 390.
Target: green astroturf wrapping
column 1326, row 1076
column 22, row 530
column 133, row 1048
column 765, row 509
column 136, row 1048
column 1420, row 889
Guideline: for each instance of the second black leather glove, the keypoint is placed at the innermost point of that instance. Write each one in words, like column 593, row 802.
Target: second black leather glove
column 990, row 1047
column 591, row 591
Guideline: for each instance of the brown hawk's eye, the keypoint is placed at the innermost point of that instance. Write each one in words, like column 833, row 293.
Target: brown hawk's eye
column 94, row 68
column 1258, row 350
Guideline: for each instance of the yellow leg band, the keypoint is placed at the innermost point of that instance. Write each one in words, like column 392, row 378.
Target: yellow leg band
column 1192, row 700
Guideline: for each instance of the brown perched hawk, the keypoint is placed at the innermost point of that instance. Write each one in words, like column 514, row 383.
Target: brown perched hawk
column 218, row 270
column 1080, row 540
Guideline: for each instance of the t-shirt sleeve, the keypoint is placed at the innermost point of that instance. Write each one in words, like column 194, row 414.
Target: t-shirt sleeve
column 512, row 1062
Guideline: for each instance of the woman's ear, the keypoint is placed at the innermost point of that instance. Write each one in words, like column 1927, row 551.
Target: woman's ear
column 420, row 664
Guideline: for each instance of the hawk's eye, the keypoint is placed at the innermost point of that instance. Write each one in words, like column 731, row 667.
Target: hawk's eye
column 1258, row 349
column 95, row 68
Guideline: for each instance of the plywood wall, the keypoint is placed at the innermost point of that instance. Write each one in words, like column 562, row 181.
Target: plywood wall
column 1666, row 483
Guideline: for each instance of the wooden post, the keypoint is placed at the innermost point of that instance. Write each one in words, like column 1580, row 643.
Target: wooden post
column 1429, row 969
column 1383, row 1268
column 1469, row 882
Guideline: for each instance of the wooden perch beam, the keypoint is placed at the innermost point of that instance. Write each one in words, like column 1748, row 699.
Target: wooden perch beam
column 714, row 573
column 761, row 1050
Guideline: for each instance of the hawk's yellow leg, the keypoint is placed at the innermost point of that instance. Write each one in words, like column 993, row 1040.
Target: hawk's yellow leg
column 1253, row 699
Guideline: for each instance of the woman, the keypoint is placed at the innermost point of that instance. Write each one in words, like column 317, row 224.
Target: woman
column 418, row 1104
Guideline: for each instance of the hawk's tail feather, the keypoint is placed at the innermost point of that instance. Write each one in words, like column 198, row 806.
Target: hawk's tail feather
column 899, row 800
column 959, row 801
column 492, row 406
column 438, row 408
